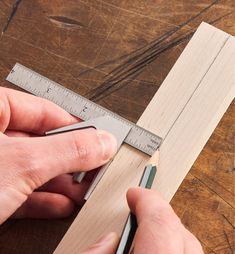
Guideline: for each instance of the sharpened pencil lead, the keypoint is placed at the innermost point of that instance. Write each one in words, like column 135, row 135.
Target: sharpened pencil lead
column 154, row 160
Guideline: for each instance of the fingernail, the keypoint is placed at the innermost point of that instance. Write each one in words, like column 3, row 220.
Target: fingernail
column 108, row 143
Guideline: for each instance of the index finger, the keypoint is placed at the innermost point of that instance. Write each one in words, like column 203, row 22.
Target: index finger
column 28, row 113
column 159, row 229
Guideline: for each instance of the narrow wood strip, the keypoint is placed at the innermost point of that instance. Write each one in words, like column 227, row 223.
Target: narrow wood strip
column 181, row 112
column 196, row 123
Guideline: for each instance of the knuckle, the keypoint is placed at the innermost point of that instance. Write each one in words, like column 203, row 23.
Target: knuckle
column 24, row 169
column 82, row 151
column 29, row 164
column 40, row 120
column 165, row 216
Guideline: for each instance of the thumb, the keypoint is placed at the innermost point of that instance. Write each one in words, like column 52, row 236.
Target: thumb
column 43, row 158
column 106, row 245
column 28, row 163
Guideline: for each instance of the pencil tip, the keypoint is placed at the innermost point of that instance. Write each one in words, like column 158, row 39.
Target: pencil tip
column 154, row 160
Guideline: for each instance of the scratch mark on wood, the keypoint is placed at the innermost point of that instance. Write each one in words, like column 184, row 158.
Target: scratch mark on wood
column 133, row 12
column 107, row 37
column 145, row 16
column 219, row 18
column 66, row 22
column 127, row 69
column 11, row 15
column 137, row 68
column 212, row 190
column 54, row 54
column 229, row 222
column 153, row 43
column 141, row 58
column 227, row 240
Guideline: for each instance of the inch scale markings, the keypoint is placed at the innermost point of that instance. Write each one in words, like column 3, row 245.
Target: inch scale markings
column 79, row 106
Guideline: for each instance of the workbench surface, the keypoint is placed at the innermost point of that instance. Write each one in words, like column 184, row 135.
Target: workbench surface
column 90, row 47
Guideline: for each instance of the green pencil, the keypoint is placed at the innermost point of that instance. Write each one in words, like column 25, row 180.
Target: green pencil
column 130, row 228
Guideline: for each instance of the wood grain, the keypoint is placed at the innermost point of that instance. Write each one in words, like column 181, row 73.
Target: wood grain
column 84, row 44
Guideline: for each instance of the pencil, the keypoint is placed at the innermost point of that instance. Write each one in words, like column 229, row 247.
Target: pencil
column 130, row 228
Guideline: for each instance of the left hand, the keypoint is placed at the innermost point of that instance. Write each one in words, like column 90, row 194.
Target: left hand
column 35, row 179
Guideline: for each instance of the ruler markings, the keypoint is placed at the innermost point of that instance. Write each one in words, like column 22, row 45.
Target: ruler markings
column 79, row 106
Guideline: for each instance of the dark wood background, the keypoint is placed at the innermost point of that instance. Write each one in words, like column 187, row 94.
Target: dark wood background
column 117, row 53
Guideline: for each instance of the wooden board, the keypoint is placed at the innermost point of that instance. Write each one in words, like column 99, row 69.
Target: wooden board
column 184, row 115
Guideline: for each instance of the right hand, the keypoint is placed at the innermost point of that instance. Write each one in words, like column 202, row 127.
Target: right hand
column 159, row 231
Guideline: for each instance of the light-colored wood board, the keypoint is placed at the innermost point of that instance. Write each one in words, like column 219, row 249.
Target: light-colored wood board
column 197, row 121
column 183, row 80
column 186, row 129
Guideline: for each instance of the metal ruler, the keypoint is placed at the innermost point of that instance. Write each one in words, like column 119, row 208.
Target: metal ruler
column 79, row 106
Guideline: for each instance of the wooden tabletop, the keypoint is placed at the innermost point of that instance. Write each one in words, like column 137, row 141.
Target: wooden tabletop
column 92, row 48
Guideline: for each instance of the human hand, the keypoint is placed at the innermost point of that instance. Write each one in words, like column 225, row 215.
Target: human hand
column 29, row 160
column 159, row 229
